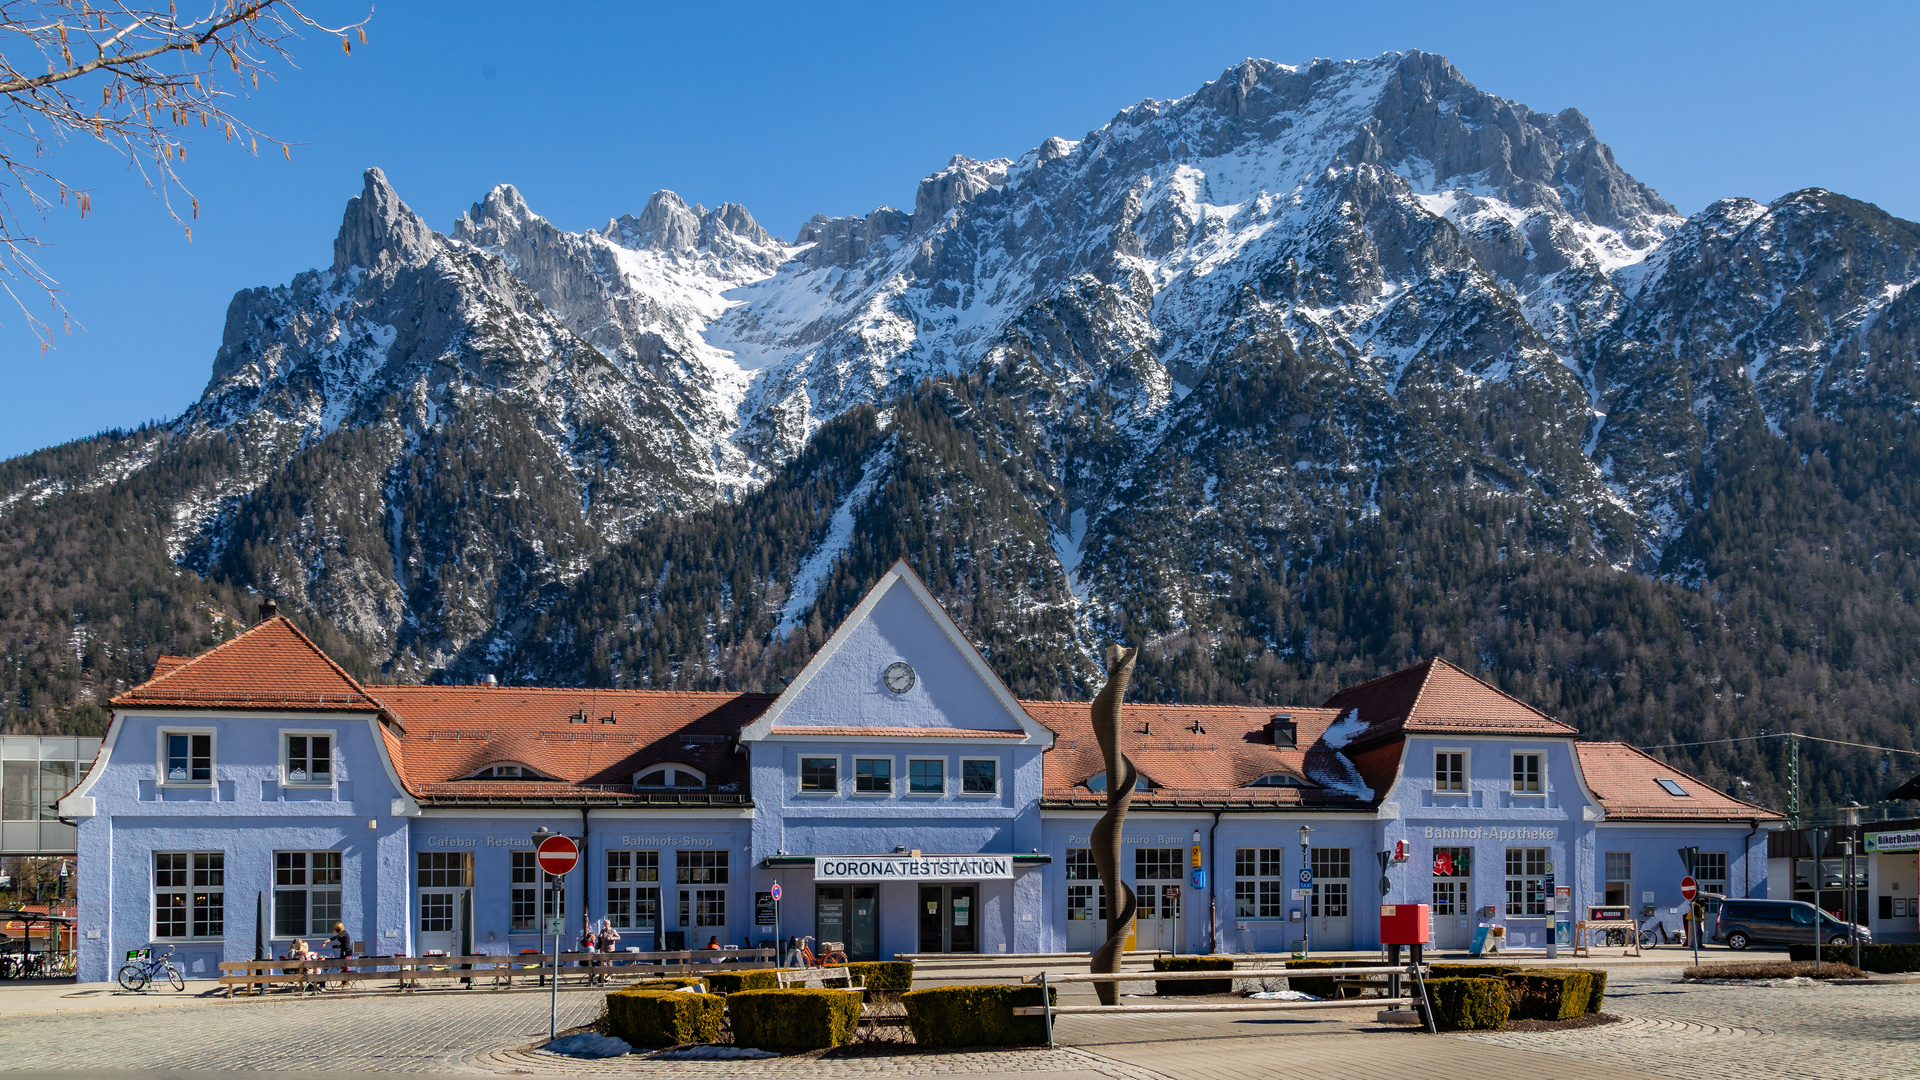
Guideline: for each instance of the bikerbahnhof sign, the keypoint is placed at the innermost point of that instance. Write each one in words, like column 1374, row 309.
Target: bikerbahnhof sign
column 913, row 868
column 1893, row 841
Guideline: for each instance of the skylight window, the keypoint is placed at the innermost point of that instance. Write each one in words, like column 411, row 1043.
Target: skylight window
column 1098, row 782
column 1279, row 779
column 1673, row 787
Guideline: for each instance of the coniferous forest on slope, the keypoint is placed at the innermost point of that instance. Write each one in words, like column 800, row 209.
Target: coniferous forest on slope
column 1788, row 603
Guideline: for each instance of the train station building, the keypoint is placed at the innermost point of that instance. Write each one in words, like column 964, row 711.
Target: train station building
column 897, row 793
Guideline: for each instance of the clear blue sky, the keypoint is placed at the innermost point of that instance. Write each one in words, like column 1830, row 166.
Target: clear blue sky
column 794, row 109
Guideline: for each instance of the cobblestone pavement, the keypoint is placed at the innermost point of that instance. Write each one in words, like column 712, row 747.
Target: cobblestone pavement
column 1672, row 1031
column 425, row 1032
column 1712, row 1032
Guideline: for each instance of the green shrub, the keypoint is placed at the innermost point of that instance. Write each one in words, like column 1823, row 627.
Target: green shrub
column 732, row 982
column 1541, row 994
column 1466, row 1004
column 1885, row 958
column 1325, row 988
column 657, row 1018
column 794, row 1019
column 671, row 982
column 953, row 1016
column 889, row 975
column 1193, row 963
column 1471, row 971
column 1598, row 996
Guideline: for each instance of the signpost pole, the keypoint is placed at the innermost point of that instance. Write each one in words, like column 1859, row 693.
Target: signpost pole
column 553, row 997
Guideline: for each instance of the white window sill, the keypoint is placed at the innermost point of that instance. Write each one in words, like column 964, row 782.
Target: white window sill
column 979, row 794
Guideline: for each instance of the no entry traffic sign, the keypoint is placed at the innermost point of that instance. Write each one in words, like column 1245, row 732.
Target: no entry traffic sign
column 1689, row 888
column 558, row 855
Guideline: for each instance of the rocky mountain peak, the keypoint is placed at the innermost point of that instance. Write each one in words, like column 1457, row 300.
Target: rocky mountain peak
column 378, row 229
column 963, row 179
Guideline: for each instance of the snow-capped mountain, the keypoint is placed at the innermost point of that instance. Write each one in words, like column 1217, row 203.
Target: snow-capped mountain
column 1166, row 382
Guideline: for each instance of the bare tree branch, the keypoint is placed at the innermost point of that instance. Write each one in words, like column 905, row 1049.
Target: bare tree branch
column 145, row 107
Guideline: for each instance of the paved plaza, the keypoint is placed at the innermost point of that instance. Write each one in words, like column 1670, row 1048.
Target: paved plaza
column 1670, row 1030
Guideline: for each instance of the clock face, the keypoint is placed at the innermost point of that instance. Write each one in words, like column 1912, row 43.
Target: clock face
column 898, row 677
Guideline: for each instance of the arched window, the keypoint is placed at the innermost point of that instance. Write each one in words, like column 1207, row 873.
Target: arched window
column 1098, row 782
column 508, row 770
column 671, row 777
column 1280, row 779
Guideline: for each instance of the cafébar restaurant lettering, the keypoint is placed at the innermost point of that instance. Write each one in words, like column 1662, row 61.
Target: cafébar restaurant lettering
column 912, row 868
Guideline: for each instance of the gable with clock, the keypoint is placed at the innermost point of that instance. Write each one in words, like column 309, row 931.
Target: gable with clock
column 898, row 661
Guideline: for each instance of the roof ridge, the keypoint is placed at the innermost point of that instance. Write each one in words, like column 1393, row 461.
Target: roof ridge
column 1383, row 678
column 244, row 635
column 576, row 690
column 1438, row 659
column 1583, row 743
column 1181, row 705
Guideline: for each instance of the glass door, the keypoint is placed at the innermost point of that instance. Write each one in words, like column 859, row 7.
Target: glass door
column 863, row 924
column 933, row 919
column 961, row 931
column 830, row 916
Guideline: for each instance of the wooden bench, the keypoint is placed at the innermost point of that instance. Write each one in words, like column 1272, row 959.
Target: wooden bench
column 820, row 976
column 410, row 972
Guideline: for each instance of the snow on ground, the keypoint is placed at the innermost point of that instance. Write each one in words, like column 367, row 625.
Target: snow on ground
column 813, row 573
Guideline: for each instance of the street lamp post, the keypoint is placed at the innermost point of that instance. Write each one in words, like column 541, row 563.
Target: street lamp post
column 553, row 994
column 1853, row 830
column 1306, row 910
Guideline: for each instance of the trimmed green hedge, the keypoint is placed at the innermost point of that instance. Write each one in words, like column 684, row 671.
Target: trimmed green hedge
column 953, row 1016
column 1884, row 958
column 1540, row 994
column 1599, row 995
column 1193, row 986
column 1325, row 988
column 732, row 982
column 655, row 1018
column 671, row 982
column 1472, row 971
column 793, row 1019
column 1465, row 1004
column 892, row 975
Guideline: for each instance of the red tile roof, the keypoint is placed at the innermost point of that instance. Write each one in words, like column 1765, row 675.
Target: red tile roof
column 1626, row 781
column 900, row 732
column 1436, row 696
column 452, row 732
column 1212, row 765
column 272, row 665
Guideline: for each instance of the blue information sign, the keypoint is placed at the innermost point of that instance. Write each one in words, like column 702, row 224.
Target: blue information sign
column 1306, row 877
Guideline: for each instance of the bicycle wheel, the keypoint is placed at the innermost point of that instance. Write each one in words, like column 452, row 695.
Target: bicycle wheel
column 178, row 980
column 134, row 977
column 1648, row 939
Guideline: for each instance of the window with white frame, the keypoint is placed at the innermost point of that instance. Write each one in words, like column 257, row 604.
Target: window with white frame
column 1332, row 882
column 1157, row 864
column 926, row 776
column 1619, row 879
column 820, row 775
column 1450, row 772
column 670, row 777
column 187, row 757
column 1257, row 885
column 1527, row 776
column 1710, row 872
column 523, row 897
column 1086, row 897
column 633, row 889
column 980, row 776
column 873, row 775
column 189, row 895
column 306, row 893
column 1526, row 881
column 309, row 759
column 701, row 907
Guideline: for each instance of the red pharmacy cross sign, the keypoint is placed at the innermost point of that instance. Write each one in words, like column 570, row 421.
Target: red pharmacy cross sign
column 1689, row 888
column 558, row 855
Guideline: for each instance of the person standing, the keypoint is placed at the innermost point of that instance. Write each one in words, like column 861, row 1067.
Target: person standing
column 343, row 948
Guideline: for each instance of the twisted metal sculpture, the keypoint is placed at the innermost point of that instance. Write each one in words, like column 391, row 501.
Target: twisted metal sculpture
column 1121, row 774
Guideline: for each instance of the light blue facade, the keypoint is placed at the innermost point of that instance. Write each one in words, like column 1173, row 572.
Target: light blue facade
column 245, row 812
column 897, row 693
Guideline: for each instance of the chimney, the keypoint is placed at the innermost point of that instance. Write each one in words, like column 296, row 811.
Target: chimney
column 268, row 609
column 490, row 680
column 1283, row 731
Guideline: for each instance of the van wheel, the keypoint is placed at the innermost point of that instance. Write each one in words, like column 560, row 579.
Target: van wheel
column 1737, row 940
column 1837, row 939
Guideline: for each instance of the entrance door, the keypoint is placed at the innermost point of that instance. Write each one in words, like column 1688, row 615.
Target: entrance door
column 1451, row 917
column 848, row 914
column 1332, row 905
column 933, row 919
column 1158, row 925
column 949, row 918
column 1086, row 916
column 441, row 879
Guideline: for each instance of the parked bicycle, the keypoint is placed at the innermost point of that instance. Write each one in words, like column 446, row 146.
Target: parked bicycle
column 143, row 969
column 1658, row 934
column 800, row 954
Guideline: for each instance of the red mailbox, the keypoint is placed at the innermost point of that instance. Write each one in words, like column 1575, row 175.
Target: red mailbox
column 1403, row 924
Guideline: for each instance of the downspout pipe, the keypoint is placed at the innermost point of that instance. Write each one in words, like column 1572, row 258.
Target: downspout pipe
column 1746, row 857
column 1213, row 892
